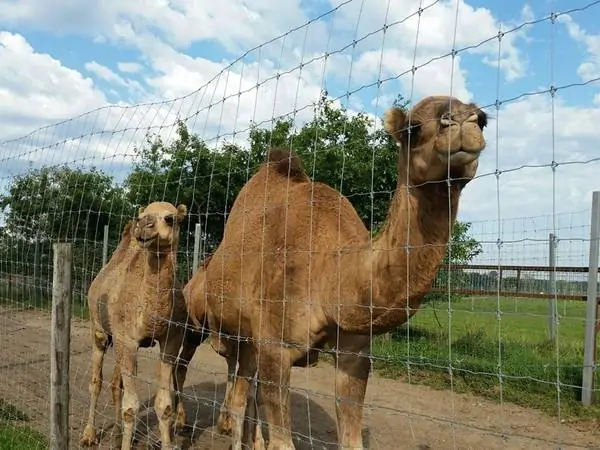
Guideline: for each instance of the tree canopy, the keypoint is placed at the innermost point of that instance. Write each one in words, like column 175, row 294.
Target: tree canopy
column 341, row 149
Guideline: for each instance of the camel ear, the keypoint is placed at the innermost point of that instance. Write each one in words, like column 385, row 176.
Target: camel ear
column 394, row 122
column 141, row 210
column 181, row 212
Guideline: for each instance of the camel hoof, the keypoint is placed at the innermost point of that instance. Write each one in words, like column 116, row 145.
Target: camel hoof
column 89, row 437
column 225, row 425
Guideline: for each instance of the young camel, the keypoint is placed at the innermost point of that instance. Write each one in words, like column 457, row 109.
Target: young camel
column 134, row 302
column 297, row 269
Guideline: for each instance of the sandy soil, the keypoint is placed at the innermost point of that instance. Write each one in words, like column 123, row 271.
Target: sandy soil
column 397, row 415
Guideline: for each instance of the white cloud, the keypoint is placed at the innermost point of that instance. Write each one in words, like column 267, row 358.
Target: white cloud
column 590, row 68
column 440, row 26
column 106, row 74
column 129, row 67
column 36, row 89
column 233, row 23
column 442, row 76
column 529, row 200
column 222, row 99
column 526, row 139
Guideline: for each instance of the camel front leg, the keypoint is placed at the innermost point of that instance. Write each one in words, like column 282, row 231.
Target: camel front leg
column 163, row 402
column 126, row 355
column 100, row 344
column 185, row 357
column 352, row 374
column 224, row 424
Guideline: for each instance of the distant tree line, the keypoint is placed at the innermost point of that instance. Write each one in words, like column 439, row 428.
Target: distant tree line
column 65, row 203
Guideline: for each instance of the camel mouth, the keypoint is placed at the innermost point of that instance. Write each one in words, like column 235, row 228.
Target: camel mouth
column 145, row 241
column 463, row 156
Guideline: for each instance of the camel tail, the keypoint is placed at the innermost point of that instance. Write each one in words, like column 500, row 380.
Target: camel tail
column 287, row 163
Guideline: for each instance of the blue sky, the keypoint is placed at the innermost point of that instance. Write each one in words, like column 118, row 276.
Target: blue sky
column 59, row 60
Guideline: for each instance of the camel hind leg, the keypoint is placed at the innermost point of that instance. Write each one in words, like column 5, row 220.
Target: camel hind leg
column 224, row 424
column 117, row 395
column 101, row 341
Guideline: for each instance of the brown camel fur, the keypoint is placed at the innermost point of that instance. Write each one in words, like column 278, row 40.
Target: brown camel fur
column 134, row 302
column 297, row 269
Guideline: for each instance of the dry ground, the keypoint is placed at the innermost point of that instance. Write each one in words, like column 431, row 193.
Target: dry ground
column 397, row 415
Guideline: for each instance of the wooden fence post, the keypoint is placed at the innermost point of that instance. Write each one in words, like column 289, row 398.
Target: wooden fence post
column 60, row 346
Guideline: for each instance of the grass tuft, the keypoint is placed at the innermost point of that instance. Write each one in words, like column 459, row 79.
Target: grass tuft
column 14, row 435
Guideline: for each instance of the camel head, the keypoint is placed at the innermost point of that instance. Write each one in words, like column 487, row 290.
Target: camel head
column 157, row 225
column 438, row 133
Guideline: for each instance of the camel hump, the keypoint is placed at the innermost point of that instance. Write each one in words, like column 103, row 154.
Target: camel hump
column 287, row 163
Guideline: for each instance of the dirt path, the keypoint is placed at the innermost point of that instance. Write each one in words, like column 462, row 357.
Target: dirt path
column 397, row 415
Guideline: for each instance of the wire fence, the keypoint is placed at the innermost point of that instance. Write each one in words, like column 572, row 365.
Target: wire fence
column 504, row 318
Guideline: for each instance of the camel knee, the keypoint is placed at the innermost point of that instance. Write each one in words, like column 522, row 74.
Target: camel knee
column 116, row 394
column 130, row 407
column 163, row 405
column 96, row 384
column 101, row 340
column 116, row 385
column 224, row 423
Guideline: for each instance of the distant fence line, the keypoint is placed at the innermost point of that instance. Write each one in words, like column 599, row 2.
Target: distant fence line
column 474, row 281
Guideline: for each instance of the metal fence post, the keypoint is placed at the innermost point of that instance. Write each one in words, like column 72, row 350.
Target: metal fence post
column 589, row 355
column 552, row 308
column 197, row 239
column 105, row 246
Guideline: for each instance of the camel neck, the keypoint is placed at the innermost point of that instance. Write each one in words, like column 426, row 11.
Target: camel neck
column 406, row 254
column 160, row 264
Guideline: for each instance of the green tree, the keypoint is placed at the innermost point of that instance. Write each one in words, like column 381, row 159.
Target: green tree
column 59, row 203
column 53, row 203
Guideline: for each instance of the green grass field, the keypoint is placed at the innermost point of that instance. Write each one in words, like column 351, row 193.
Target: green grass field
column 14, row 434
column 504, row 356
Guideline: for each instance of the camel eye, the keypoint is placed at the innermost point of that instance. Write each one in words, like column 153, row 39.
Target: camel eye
column 170, row 220
column 412, row 133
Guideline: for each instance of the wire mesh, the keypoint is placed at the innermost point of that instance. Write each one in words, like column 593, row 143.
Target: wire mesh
column 321, row 88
